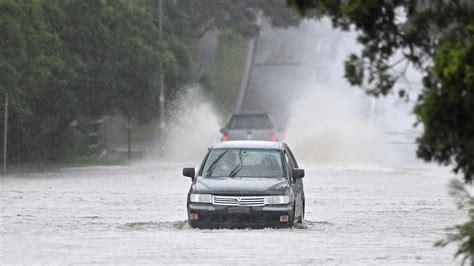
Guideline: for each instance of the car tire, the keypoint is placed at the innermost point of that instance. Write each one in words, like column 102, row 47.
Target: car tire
column 194, row 225
column 301, row 218
column 291, row 221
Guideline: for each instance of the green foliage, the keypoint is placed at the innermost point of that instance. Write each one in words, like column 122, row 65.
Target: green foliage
column 446, row 108
column 462, row 234
column 34, row 74
column 178, row 68
column 192, row 19
column 66, row 60
column 435, row 37
column 110, row 39
column 206, row 82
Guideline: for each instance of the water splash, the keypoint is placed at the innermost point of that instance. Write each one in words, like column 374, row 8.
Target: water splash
column 324, row 128
column 168, row 225
column 192, row 127
column 331, row 122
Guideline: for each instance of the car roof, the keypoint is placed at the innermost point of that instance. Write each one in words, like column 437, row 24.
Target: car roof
column 250, row 144
column 250, row 114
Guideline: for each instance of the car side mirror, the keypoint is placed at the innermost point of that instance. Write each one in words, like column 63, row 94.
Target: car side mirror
column 298, row 173
column 189, row 172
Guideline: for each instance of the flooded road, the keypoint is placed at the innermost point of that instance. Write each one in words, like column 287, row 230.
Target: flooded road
column 137, row 214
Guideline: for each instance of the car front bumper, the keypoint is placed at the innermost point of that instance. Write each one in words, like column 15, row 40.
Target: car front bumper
column 220, row 216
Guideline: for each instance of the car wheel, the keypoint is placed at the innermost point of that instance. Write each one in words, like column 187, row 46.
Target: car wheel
column 291, row 221
column 301, row 218
column 194, row 225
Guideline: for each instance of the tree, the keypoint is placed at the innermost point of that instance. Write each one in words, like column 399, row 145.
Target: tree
column 34, row 74
column 437, row 38
column 68, row 60
column 192, row 19
column 118, row 46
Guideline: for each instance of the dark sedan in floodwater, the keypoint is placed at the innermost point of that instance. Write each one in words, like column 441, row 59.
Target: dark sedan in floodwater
column 246, row 184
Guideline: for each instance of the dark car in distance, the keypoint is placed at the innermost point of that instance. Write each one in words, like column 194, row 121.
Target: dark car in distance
column 244, row 184
column 250, row 126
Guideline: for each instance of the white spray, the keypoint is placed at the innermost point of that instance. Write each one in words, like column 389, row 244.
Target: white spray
column 331, row 122
column 192, row 127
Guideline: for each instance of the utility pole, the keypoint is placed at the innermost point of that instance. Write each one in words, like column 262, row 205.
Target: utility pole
column 162, row 84
column 5, row 136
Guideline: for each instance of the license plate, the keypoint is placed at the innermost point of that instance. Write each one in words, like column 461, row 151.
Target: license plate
column 238, row 210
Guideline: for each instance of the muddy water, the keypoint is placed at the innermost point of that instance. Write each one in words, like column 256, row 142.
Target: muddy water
column 137, row 214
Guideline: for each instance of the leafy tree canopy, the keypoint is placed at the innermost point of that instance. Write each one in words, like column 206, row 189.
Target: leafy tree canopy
column 67, row 60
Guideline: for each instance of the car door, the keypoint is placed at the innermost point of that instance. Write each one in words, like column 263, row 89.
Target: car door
column 298, row 184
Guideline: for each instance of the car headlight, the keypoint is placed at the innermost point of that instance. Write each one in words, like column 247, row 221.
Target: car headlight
column 202, row 198
column 285, row 199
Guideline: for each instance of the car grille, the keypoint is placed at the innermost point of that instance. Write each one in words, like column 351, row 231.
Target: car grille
column 238, row 201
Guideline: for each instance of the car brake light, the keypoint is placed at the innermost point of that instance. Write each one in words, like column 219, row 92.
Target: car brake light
column 225, row 138
column 273, row 137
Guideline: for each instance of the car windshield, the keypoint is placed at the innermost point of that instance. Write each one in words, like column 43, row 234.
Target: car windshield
column 250, row 122
column 243, row 163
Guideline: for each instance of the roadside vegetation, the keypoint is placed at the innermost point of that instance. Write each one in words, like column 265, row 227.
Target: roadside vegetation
column 67, row 64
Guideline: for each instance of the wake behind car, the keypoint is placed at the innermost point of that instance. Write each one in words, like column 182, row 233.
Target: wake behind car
column 250, row 126
column 246, row 184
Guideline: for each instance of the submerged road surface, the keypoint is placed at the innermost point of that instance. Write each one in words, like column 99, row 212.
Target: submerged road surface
column 137, row 214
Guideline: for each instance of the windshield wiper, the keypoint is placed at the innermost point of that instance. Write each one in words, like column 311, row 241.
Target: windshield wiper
column 238, row 167
column 214, row 163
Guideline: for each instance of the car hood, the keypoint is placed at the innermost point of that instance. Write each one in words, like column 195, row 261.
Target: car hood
column 240, row 185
